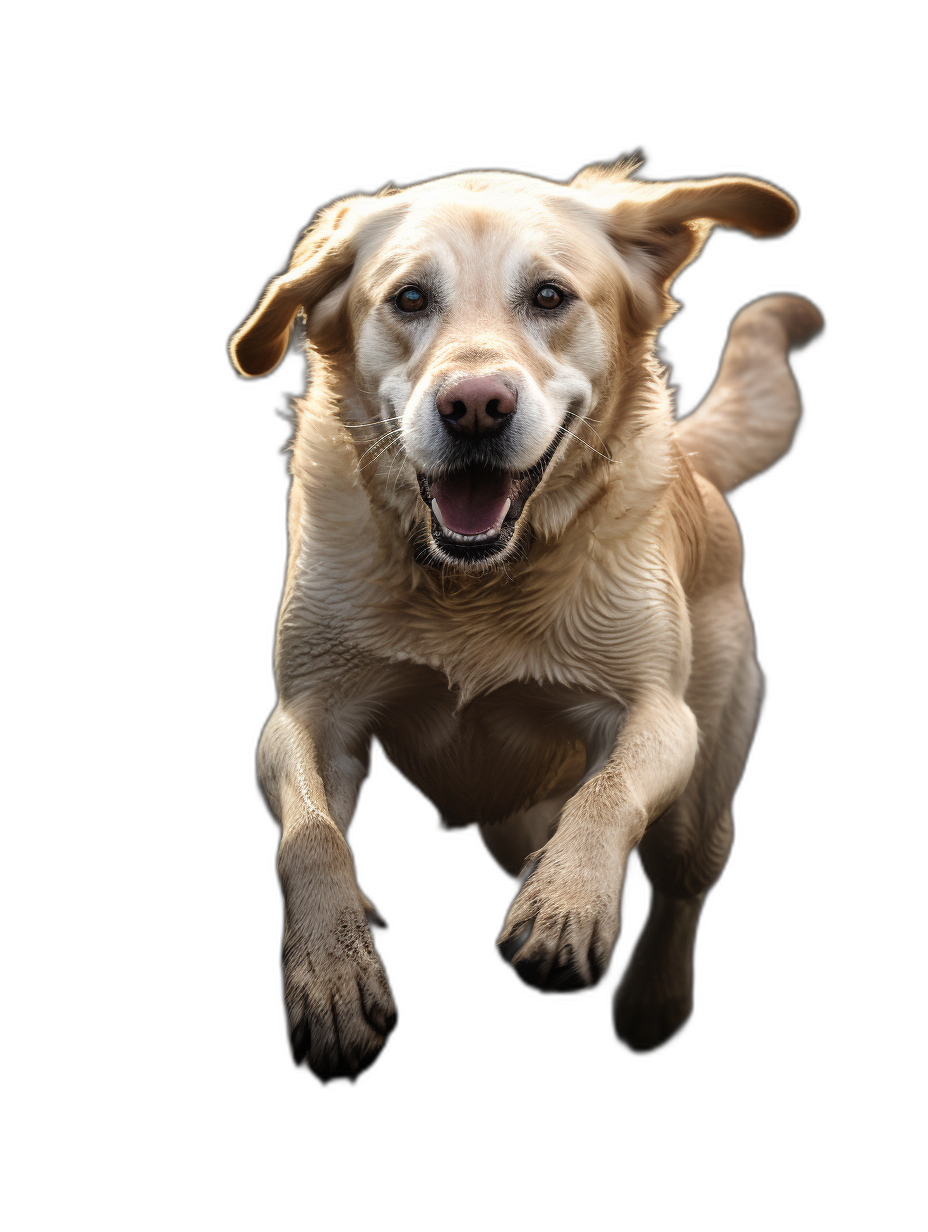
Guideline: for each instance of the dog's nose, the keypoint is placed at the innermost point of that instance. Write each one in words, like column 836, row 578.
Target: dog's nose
column 477, row 406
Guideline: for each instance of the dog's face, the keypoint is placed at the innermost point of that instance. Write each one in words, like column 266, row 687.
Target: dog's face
column 477, row 322
column 484, row 329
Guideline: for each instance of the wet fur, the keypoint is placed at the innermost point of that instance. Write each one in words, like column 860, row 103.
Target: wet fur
column 594, row 690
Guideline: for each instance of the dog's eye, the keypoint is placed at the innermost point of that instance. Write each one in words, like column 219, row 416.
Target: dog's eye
column 548, row 297
column 411, row 299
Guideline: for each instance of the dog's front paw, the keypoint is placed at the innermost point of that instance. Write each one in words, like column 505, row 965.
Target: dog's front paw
column 339, row 1006
column 562, row 927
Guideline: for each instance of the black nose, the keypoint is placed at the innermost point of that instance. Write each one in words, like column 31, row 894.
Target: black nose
column 477, row 406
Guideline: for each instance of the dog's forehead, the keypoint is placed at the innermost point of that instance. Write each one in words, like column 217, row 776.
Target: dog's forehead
column 493, row 219
column 488, row 192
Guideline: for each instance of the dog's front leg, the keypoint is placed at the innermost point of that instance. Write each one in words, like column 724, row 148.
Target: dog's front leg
column 339, row 1006
column 563, row 924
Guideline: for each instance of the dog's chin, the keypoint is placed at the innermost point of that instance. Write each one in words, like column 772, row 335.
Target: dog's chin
column 475, row 513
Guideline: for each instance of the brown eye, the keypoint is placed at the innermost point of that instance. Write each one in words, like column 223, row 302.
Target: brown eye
column 411, row 299
column 548, row 297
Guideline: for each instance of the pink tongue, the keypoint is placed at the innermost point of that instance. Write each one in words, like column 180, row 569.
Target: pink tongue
column 471, row 502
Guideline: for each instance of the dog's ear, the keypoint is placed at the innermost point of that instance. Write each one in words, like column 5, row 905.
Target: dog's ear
column 659, row 227
column 670, row 222
column 322, row 259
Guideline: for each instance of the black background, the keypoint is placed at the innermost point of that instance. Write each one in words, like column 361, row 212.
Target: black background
column 772, row 1024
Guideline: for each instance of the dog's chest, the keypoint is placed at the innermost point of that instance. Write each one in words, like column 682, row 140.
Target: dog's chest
column 502, row 751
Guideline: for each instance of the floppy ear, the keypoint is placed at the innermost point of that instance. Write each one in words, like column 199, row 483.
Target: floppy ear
column 670, row 222
column 321, row 260
column 659, row 227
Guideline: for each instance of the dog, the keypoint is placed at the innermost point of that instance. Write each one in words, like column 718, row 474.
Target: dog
column 514, row 568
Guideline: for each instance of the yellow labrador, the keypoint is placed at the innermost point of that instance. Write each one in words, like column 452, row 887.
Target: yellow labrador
column 510, row 565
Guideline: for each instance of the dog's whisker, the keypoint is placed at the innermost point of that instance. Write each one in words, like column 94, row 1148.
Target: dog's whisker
column 399, row 456
column 386, row 436
column 393, row 460
column 370, row 462
column 586, row 444
column 371, row 424
column 360, row 428
column 373, row 445
column 593, row 430
column 394, row 436
column 377, row 455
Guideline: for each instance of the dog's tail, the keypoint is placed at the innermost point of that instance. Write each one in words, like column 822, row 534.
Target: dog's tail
column 746, row 421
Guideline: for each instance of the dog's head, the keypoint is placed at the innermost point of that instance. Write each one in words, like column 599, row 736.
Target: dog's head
column 481, row 324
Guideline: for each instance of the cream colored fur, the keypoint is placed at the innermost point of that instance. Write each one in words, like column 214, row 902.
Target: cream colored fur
column 591, row 689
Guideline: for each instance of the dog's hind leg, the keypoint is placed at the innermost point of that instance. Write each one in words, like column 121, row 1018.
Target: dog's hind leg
column 512, row 841
column 655, row 997
column 684, row 853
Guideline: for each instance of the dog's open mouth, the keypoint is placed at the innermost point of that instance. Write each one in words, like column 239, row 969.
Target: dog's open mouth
column 475, row 508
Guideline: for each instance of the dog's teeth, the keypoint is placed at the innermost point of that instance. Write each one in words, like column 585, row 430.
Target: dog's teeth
column 437, row 512
column 502, row 516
